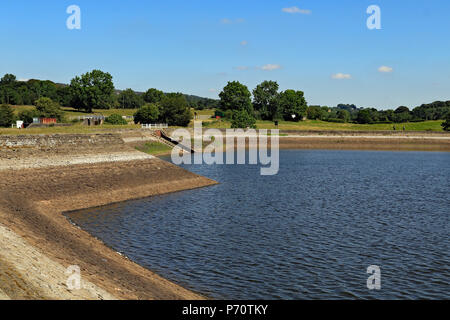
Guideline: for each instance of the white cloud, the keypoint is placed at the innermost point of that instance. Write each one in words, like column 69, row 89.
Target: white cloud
column 23, row 80
column 341, row 76
column 212, row 90
column 229, row 21
column 294, row 10
column 385, row 69
column 244, row 43
column 270, row 67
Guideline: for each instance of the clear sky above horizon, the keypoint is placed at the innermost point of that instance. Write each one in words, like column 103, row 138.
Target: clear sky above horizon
column 322, row 47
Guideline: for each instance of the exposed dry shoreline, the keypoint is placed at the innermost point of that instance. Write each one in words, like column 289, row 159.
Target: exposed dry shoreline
column 32, row 202
column 42, row 177
column 37, row 243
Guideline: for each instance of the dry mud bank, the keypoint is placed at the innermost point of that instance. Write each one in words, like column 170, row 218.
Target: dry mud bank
column 388, row 143
column 37, row 243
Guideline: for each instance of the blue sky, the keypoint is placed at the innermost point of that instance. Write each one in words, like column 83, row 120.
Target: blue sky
column 197, row 46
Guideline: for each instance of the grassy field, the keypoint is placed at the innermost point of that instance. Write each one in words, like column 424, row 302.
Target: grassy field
column 317, row 125
column 309, row 125
column 74, row 129
column 155, row 148
column 209, row 112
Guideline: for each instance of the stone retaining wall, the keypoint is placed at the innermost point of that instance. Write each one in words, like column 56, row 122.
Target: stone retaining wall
column 29, row 145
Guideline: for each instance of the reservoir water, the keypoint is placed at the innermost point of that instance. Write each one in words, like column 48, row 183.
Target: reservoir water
column 309, row 232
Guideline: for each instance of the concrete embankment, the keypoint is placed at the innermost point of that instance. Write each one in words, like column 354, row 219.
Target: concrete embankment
column 359, row 140
column 41, row 179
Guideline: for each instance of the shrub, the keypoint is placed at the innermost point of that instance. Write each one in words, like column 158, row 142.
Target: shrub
column 149, row 113
column 116, row 119
column 242, row 119
column 47, row 108
column 335, row 120
column 6, row 116
column 446, row 124
column 28, row 115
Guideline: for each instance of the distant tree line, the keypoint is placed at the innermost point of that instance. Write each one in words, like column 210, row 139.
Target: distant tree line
column 92, row 90
column 95, row 90
column 269, row 104
column 350, row 113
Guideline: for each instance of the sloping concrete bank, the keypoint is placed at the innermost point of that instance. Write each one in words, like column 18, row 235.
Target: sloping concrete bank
column 37, row 243
column 359, row 140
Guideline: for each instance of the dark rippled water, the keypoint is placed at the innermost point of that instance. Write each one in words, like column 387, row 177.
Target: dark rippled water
column 308, row 233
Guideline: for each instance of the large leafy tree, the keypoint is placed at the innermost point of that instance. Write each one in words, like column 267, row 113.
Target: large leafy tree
column 148, row 113
column 6, row 116
column 265, row 100
column 175, row 110
column 92, row 90
column 292, row 103
column 153, row 96
column 236, row 96
column 128, row 99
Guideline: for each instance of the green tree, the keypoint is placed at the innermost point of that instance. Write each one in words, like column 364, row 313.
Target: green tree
column 175, row 110
column 28, row 115
column 235, row 96
column 63, row 95
column 116, row 119
column 343, row 115
column 8, row 94
column 364, row 116
column 93, row 90
column 293, row 103
column 8, row 79
column 128, row 99
column 148, row 113
column 6, row 116
column 446, row 124
column 242, row 119
column 47, row 108
column 314, row 113
column 265, row 100
column 153, row 96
